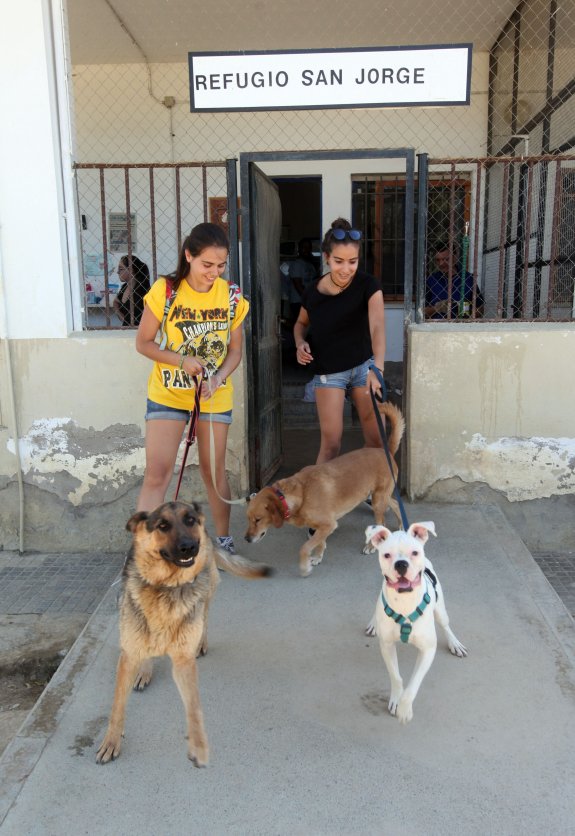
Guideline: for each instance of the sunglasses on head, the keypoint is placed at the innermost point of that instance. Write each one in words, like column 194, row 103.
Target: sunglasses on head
column 342, row 234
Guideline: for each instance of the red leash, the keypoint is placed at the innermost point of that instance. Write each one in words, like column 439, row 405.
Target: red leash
column 191, row 436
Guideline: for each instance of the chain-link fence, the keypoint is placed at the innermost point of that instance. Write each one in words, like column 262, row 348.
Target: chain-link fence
column 134, row 218
column 500, row 239
column 511, row 221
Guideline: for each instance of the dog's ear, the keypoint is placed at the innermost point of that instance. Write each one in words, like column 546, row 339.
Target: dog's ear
column 135, row 520
column 375, row 534
column 422, row 530
column 200, row 514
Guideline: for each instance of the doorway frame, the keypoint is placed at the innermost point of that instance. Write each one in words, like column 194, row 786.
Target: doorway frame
column 248, row 281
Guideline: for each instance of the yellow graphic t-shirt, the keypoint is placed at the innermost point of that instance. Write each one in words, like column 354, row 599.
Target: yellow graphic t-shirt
column 197, row 324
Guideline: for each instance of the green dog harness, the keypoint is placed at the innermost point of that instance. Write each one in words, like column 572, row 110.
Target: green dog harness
column 406, row 621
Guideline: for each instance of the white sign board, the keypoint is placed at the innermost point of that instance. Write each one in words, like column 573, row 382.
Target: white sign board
column 302, row 80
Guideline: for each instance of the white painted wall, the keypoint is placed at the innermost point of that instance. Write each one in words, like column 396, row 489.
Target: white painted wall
column 117, row 120
column 36, row 289
column 489, row 405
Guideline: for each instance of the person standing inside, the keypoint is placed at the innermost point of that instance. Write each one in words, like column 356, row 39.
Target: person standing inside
column 134, row 276
column 302, row 273
column 341, row 330
column 201, row 334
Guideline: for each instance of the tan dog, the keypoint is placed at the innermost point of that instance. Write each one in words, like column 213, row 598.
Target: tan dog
column 318, row 495
column 169, row 578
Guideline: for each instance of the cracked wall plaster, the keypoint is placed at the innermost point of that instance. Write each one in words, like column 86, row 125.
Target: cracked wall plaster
column 76, row 462
column 522, row 468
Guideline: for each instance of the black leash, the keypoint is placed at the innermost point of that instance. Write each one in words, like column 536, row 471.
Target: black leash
column 381, row 398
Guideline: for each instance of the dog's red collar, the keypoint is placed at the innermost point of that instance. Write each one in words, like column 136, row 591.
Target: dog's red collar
column 283, row 501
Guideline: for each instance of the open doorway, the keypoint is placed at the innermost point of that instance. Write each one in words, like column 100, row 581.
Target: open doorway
column 300, row 264
column 300, row 256
column 276, row 409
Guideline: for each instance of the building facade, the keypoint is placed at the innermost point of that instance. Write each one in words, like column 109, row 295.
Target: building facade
column 103, row 156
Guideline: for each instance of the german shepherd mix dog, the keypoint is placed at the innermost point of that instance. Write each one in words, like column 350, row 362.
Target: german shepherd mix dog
column 318, row 495
column 169, row 578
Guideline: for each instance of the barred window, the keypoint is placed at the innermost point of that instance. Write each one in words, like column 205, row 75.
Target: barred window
column 378, row 209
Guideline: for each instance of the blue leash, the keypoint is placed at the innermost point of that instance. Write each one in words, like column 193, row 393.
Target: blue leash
column 381, row 398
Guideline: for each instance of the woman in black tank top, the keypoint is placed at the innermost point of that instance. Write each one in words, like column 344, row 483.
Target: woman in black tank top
column 339, row 333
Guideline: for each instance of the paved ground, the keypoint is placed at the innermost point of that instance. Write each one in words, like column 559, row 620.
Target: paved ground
column 45, row 601
column 559, row 569
column 57, row 584
column 295, row 702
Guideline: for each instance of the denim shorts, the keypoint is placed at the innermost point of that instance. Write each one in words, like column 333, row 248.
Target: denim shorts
column 351, row 379
column 170, row 413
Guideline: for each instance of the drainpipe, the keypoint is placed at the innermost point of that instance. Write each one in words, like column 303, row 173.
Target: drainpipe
column 12, row 401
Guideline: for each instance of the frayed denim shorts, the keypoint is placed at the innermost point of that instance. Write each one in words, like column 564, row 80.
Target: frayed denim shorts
column 351, row 379
column 156, row 411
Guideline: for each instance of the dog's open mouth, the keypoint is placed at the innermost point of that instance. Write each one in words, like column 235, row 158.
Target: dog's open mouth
column 404, row 584
column 181, row 560
column 185, row 561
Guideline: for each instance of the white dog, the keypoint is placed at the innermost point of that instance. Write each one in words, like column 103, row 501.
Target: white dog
column 411, row 598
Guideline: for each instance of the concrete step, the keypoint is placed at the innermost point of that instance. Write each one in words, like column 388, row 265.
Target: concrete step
column 294, row 389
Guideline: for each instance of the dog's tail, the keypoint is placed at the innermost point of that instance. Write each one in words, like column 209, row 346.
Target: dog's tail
column 396, row 420
column 237, row 565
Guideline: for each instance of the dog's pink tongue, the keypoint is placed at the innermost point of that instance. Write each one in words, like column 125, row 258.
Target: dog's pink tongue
column 403, row 583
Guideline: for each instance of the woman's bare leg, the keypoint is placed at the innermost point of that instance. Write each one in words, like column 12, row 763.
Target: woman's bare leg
column 163, row 439
column 329, row 403
column 366, row 415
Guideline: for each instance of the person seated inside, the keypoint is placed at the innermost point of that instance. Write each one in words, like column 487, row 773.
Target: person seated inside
column 302, row 272
column 135, row 283
column 437, row 288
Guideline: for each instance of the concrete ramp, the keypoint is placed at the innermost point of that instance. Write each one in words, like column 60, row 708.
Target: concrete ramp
column 295, row 695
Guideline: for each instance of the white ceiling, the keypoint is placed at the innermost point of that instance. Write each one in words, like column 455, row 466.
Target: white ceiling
column 166, row 30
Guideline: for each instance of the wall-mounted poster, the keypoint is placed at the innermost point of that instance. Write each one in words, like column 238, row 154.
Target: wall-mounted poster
column 118, row 231
column 93, row 265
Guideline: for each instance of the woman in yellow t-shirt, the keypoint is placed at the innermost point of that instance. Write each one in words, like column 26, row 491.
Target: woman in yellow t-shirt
column 202, row 331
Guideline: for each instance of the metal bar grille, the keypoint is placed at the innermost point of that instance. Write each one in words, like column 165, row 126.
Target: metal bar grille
column 524, row 268
column 150, row 205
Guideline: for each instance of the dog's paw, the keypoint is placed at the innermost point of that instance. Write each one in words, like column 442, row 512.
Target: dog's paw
column 199, row 755
column 370, row 629
column 404, row 711
column 316, row 559
column 109, row 749
column 457, row 648
column 394, row 701
column 368, row 549
column 144, row 675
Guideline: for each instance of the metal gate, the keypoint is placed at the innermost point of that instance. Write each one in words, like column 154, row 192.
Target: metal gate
column 261, row 219
column 144, row 211
column 261, row 279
